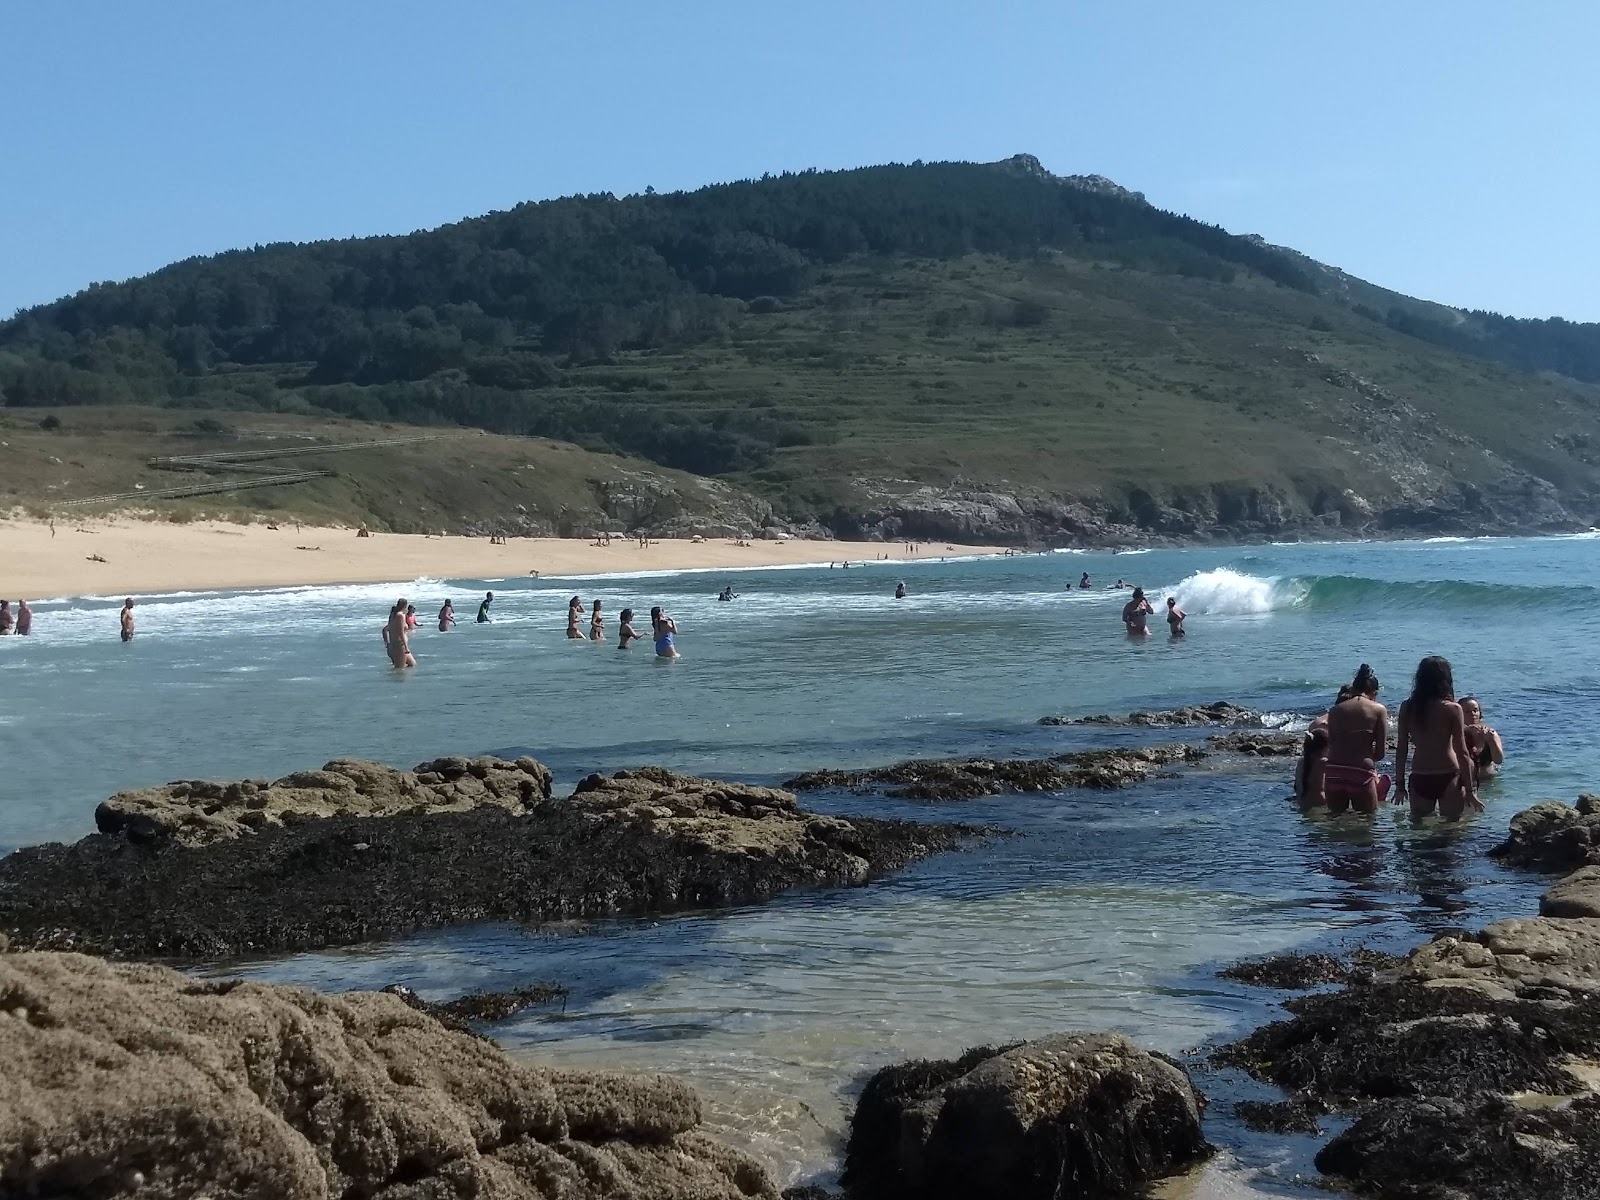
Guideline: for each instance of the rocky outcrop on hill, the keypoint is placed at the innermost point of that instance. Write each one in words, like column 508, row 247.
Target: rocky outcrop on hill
column 639, row 841
column 195, row 812
column 967, row 779
column 1079, row 1114
column 139, row 1082
column 1553, row 836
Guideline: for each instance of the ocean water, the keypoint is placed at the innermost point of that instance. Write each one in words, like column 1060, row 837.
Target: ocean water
column 1105, row 911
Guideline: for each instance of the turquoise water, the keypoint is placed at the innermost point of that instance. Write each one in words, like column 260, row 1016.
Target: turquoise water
column 1112, row 912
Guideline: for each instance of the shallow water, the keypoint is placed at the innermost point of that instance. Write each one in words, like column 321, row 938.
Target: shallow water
column 1108, row 911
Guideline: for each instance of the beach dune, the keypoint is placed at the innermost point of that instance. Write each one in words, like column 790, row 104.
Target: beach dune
column 116, row 555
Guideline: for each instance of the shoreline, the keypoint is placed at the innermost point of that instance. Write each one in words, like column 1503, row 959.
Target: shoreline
column 146, row 557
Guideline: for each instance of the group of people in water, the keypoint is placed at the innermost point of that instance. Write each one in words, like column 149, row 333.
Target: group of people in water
column 1443, row 749
column 403, row 620
column 1138, row 608
column 20, row 622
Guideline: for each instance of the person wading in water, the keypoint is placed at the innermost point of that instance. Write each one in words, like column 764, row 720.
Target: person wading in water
column 1358, row 738
column 1432, row 722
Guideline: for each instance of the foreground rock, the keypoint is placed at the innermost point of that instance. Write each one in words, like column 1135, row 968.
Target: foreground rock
column 197, row 812
column 139, row 1082
column 967, row 779
column 1578, row 895
column 1469, row 1066
column 1068, row 1115
column 1220, row 712
column 1553, row 836
column 641, row 841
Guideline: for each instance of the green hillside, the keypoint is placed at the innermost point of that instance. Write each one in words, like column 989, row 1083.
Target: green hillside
column 982, row 350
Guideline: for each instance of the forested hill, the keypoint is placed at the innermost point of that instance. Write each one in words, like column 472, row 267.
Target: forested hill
column 838, row 340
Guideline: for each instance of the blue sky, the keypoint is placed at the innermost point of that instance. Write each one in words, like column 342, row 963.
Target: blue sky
column 1448, row 150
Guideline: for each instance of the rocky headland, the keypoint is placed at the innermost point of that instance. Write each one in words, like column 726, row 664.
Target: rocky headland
column 1471, row 1067
column 357, row 852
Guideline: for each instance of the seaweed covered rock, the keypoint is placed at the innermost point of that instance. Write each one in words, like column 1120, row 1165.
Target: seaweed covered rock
column 1290, row 972
column 1267, row 743
column 1068, row 1115
column 1486, row 1147
column 1553, row 836
column 967, row 779
column 483, row 1007
column 649, row 842
column 196, row 812
column 139, row 1082
column 1220, row 712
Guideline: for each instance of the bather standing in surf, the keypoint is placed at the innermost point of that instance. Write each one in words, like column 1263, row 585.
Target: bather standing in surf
column 574, row 615
column 1134, row 612
column 1358, row 739
column 1484, row 743
column 397, row 639
column 665, row 630
column 1431, row 722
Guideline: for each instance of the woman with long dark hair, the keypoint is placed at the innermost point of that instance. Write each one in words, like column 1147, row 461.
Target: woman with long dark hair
column 1358, row 738
column 1431, row 721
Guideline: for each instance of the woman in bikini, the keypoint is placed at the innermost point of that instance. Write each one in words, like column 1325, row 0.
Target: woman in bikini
column 1431, row 721
column 597, row 624
column 1308, row 785
column 1358, row 738
column 628, row 635
column 1483, row 743
column 574, row 615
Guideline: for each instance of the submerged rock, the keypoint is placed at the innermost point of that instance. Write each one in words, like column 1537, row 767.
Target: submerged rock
column 1068, row 1115
column 1221, row 712
column 644, row 841
column 483, row 1007
column 1266, row 744
column 1290, row 972
column 197, row 812
column 967, row 779
column 1553, row 836
column 139, row 1082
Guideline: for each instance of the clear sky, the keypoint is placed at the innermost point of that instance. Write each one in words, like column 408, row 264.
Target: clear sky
column 1446, row 149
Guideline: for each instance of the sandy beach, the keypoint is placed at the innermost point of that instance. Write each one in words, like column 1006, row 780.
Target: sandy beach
column 119, row 555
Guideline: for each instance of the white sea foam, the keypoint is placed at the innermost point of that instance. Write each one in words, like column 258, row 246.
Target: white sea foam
column 1225, row 592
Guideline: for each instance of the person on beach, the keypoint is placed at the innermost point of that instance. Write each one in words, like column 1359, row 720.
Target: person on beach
column 627, row 635
column 665, row 631
column 24, row 619
column 1134, row 612
column 1441, row 772
column 1175, row 616
column 574, row 616
column 1484, row 744
column 900, row 590
column 5, row 617
column 397, row 639
column 597, row 624
column 483, row 609
column 127, row 619
column 1308, row 786
column 447, row 617
column 1358, row 739
column 411, row 616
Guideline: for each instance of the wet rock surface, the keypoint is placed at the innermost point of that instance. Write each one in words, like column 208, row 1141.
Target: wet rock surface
column 481, row 1007
column 1220, row 712
column 1553, row 836
column 642, row 842
column 967, row 779
column 197, row 812
column 1067, row 1115
column 1290, row 972
column 1265, row 744
column 136, row 1081
column 1577, row 895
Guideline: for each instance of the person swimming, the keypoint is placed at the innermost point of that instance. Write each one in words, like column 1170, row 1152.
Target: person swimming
column 1134, row 613
column 1484, row 743
column 1358, row 739
column 627, row 634
column 1175, row 616
column 665, row 630
column 483, row 609
column 1308, row 771
column 411, row 616
column 574, row 615
column 597, row 624
column 447, row 617
column 900, row 590
column 1083, row 582
column 727, row 593
column 127, row 620
column 1441, row 773
column 397, row 638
